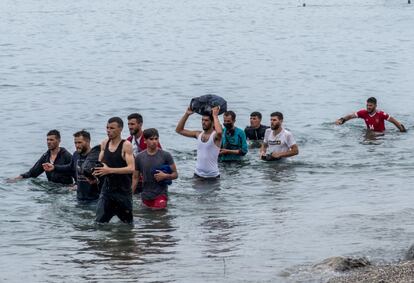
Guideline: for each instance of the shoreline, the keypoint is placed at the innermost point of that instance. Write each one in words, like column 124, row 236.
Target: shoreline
column 402, row 272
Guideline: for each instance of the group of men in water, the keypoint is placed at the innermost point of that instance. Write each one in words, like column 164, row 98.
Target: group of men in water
column 117, row 168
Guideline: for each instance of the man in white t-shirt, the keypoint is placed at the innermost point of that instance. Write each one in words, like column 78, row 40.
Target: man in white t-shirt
column 277, row 143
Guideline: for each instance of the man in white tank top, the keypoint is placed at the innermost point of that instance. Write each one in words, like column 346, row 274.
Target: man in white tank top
column 208, row 143
column 277, row 143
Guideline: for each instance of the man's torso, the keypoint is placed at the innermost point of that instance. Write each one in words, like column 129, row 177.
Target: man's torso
column 280, row 142
column 146, row 164
column 374, row 122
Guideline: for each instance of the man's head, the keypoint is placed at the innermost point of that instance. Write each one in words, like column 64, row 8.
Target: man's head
column 207, row 122
column 276, row 120
column 82, row 140
column 371, row 105
column 53, row 139
column 229, row 118
column 135, row 123
column 151, row 137
column 114, row 127
column 255, row 119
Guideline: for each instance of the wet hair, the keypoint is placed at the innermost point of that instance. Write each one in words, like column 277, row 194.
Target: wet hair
column 372, row 100
column 149, row 133
column 210, row 117
column 54, row 133
column 83, row 133
column 256, row 114
column 136, row 116
column 230, row 113
column 116, row 120
column 277, row 114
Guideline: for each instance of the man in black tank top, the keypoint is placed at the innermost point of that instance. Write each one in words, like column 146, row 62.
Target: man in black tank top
column 116, row 194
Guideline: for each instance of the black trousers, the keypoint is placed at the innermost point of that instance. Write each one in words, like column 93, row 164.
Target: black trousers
column 114, row 203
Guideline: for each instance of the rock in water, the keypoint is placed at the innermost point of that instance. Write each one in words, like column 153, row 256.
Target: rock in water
column 339, row 263
column 410, row 253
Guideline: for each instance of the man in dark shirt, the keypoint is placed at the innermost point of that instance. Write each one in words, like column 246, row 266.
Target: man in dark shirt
column 256, row 131
column 118, row 165
column 55, row 155
column 135, row 123
column 157, row 167
column 87, row 190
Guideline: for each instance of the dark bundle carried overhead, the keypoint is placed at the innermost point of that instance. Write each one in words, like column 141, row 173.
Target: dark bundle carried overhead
column 203, row 104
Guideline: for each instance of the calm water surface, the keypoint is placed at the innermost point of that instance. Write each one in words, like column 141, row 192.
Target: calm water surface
column 73, row 64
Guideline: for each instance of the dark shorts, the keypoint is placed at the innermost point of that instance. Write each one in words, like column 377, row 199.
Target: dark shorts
column 113, row 204
column 160, row 202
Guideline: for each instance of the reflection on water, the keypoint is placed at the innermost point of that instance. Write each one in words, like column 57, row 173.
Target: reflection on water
column 374, row 138
column 205, row 186
column 279, row 171
column 221, row 239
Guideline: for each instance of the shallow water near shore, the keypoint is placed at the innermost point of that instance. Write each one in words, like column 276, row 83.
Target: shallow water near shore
column 73, row 64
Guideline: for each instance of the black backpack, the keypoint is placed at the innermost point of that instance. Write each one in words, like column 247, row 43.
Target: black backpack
column 203, row 104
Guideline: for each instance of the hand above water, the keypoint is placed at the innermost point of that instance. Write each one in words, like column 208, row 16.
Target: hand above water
column 14, row 179
column 102, row 171
column 224, row 151
column 189, row 111
column 215, row 110
column 160, row 176
column 48, row 167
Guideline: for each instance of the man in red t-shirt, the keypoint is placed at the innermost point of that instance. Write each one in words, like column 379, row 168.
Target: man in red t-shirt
column 374, row 119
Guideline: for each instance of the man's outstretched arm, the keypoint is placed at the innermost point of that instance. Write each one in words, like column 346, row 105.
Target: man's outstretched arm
column 342, row 120
column 397, row 124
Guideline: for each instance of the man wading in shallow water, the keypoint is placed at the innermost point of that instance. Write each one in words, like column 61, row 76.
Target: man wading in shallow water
column 87, row 191
column 157, row 168
column 118, row 166
column 135, row 123
column 256, row 131
column 55, row 155
column 278, row 143
column 374, row 119
column 208, row 143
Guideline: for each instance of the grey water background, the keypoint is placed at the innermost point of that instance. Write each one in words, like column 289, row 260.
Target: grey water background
column 73, row 64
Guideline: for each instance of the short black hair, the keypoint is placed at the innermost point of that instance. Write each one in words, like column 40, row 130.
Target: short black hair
column 256, row 114
column 83, row 133
column 210, row 117
column 136, row 116
column 230, row 113
column 277, row 114
column 151, row 132
column 372, row 100
column 116, row 120
column 54, row 132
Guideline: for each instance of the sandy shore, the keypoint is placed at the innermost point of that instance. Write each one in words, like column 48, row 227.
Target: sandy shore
column 399, row 273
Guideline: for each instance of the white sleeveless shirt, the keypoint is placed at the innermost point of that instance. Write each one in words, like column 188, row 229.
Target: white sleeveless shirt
column 207, row 157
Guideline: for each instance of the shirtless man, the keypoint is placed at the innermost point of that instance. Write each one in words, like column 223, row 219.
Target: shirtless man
column 208, row 143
